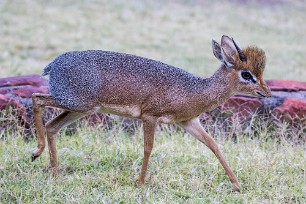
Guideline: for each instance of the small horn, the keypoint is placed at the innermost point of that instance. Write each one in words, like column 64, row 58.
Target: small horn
column 241, row 54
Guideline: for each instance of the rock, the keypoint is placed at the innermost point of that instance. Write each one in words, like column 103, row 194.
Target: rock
column 16, row 108
column 15, row 96
column 4, row 91
column 242, row 107
column 291, row 109
column 27, row 91
column 286, row 85
column 34, row 80
column 6, row 101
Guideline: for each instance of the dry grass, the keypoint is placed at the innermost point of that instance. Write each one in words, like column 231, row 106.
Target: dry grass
column 176, row 32
column 102, row 165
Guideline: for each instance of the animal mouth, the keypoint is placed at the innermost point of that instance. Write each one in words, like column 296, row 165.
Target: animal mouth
column 260, row 94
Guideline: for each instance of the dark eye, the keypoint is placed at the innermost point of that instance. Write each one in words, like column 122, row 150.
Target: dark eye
column 246, row 75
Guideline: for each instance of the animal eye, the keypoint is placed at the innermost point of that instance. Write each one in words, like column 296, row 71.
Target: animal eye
column 246, row 75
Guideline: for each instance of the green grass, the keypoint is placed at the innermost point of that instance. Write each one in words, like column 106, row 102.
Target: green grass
column 103, row 166
column 176, row 32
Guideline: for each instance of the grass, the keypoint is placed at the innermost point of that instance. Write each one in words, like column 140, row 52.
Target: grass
column 100, row 165
column 176, row 32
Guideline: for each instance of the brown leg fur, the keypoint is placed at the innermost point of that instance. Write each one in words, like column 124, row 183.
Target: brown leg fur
column 149, row 126
column 195, row 128
column 39, row 102
column 52, row 128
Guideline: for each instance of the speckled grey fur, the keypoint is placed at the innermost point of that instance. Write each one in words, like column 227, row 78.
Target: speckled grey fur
column 80, row 80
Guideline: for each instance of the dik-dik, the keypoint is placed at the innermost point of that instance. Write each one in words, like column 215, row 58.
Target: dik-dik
column 86, row 82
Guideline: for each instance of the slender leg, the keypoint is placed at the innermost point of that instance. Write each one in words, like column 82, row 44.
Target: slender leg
column 52, row 128
column 195, row 128
column 149, row 125
column 39, row 102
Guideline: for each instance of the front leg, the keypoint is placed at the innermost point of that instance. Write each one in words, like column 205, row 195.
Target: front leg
column 195, row 128
column 52, row 128
column 38, row 121
column 39, row 102
column 149, row 125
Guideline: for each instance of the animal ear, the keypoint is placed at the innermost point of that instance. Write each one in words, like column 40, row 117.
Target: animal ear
column 232, row 48
column 228, row 50
column 225, row 52
column 227, row 59
column 217, row 50
column 221, row 55
column 228, row 45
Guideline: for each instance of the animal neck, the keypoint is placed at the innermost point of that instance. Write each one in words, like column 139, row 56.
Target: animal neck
column 216, row 89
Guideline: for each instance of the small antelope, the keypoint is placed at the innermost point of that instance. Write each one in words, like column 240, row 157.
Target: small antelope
column 85, row 82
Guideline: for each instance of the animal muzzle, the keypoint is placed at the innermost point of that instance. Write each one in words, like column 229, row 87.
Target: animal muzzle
column 264, row 91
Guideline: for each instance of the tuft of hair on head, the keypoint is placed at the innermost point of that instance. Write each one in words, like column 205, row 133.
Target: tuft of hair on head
column 256, row 58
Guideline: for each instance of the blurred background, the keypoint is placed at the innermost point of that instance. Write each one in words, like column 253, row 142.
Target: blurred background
column 177, row 32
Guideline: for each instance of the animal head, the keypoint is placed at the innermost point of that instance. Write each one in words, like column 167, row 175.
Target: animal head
column 246, row 64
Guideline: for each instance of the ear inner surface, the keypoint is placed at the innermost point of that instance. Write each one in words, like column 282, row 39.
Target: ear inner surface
column 217, row 50
column 227, row 59
column 228, row 45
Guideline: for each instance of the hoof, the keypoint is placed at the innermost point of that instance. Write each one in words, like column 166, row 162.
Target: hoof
column 236, row 187
column 36, row 153
column 33, row 157
column 55, row 173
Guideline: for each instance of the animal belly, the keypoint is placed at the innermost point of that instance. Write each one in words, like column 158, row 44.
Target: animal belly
column 132, row 111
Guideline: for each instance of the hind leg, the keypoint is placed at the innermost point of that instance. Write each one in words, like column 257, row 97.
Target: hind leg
column 39, row 102
column 52, row 128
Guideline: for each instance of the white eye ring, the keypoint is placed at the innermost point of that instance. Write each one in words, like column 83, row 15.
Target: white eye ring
column 252, row 78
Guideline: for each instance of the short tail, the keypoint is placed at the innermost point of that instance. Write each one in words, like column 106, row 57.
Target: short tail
column 47, row 70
